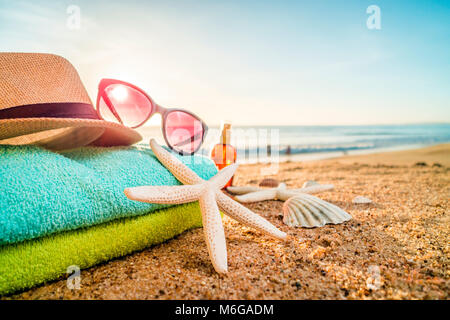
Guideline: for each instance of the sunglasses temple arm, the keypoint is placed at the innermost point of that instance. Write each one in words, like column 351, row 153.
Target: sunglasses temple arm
column 111, row 107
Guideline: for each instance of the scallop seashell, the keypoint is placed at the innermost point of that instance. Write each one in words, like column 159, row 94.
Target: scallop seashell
column 268, row 182
column 309, row 211
column 361, row 200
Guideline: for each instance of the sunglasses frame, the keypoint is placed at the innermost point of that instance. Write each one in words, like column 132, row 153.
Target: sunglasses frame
column 156, row 108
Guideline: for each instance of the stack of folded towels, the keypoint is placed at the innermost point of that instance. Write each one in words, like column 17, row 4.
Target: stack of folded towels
column 63, row 209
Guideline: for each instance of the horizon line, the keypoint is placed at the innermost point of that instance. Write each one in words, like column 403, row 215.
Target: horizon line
column 321, row 125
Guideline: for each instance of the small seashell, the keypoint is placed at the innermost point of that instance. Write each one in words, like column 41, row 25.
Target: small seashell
column 361, row 200
column 310, row 183
column 309, row 211
column 269, row 182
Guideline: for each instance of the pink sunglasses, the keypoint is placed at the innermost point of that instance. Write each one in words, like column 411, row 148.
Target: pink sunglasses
column 129, row 105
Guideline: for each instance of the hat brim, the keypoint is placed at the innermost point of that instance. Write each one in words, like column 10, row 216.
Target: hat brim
column 66, row 133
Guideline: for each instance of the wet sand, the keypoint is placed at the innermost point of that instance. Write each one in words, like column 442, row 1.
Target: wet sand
column 395, row 248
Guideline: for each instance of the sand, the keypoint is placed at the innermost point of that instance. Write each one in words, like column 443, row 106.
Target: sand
column 395, row 248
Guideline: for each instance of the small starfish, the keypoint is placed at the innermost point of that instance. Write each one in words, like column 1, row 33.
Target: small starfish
column 210, row 197
column 253, row 194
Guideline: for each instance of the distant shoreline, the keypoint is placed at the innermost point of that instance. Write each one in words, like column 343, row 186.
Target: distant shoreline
column 340, row 154
column 437, row 154
column 367, row 153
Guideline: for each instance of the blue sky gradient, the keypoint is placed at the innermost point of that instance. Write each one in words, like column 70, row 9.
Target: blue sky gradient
column 255, row 62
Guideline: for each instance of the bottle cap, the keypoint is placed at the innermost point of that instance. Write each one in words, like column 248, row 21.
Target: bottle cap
column 226, row 133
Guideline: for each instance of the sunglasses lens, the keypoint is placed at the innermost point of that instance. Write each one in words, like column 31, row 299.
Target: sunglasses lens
column 184, row 132
column 131, row 106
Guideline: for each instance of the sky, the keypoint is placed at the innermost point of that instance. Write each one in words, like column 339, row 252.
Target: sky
column 254, row 62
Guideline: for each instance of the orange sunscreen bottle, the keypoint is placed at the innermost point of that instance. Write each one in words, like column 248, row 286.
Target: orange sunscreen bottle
column 223, row 154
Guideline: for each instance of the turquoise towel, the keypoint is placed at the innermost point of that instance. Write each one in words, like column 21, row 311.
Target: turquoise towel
column 42, row 192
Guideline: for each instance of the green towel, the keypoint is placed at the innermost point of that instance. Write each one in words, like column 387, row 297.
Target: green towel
column 29, row 263
column 43, row 192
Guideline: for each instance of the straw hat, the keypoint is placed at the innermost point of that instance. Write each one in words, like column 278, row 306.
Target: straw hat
column 43, row 102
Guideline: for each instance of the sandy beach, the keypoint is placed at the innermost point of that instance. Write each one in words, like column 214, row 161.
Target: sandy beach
column 395, row 248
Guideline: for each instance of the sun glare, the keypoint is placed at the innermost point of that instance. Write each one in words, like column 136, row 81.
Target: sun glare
column 119, row 93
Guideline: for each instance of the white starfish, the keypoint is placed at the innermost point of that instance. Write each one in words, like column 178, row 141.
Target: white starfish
column 253, row 194
column 210, row 197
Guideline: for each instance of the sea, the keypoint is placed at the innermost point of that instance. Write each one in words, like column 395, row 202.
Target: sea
column 302, row 143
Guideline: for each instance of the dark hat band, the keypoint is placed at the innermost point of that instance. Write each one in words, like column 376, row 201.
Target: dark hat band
column 51, row 110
